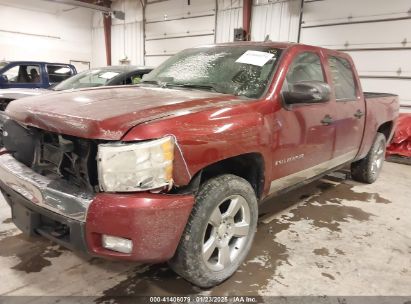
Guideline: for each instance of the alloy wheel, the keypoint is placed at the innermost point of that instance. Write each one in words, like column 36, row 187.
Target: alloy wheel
column 226, row 232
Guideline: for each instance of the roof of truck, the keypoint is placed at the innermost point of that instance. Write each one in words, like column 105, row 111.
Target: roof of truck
column 278, row 45
column 281, row 45
column 32, row 62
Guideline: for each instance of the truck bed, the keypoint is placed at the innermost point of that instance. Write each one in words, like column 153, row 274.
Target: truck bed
column 381, row 112
column 373, row 95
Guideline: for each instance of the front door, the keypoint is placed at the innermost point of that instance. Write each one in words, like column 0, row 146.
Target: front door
column 23, row 76
column 303, row 144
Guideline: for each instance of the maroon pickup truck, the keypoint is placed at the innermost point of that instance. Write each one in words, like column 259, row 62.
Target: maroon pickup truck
column 174, row 169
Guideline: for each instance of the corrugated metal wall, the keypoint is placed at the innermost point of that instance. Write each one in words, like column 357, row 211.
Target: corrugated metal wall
column 377, row 34
column 279, row 19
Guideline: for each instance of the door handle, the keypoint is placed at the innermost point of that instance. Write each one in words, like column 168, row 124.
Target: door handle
column 327, row 120
column 359, row 114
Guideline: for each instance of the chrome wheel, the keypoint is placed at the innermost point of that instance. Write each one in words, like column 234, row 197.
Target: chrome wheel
column 226, row 232
column 378, row 159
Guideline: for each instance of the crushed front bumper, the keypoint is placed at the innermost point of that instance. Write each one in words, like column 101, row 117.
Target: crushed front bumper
column 77, row 220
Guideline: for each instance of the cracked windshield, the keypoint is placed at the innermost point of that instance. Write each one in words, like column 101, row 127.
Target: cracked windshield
column 243, row 71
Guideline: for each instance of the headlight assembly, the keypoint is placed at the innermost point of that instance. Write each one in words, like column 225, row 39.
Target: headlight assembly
column 132, row 167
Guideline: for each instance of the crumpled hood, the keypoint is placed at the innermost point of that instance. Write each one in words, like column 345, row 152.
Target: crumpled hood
column 108, row 113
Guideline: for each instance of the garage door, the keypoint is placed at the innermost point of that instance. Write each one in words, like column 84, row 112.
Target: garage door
column 174, row 25
column 279, row 20
column 377, row 34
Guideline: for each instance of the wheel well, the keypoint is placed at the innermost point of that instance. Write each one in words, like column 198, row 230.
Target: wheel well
column 385, row 129
column 248, row 166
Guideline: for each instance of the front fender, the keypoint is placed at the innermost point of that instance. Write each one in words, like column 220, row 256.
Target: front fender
column 210, row 136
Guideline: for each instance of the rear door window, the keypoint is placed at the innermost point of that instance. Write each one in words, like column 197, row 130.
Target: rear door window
column 58, row 73
column 342, row 78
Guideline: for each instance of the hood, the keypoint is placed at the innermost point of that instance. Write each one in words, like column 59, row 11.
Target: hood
column 13, row 94
column 108, row 113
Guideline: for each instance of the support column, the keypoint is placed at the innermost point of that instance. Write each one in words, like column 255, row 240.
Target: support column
column 247, row 6
column 107, row 36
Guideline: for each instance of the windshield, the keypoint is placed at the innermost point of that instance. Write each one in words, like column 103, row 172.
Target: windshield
column 87, row 79
column 3, row 64
column 237, row 70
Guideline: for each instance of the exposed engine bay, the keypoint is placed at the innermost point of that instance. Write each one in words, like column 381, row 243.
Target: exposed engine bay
column 53, row 155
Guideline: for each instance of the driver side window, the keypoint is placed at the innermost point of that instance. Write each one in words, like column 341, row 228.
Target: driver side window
column 305, row 67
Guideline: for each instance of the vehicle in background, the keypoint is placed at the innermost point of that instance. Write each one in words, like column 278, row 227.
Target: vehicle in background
column 105, row 76
column 175, row 170
column 33, row 74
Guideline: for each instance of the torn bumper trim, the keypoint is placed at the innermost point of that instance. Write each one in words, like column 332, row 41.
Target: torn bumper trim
column 33, row 220
column 55, row 195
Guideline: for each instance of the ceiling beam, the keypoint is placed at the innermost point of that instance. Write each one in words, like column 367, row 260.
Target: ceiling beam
column 83, row 4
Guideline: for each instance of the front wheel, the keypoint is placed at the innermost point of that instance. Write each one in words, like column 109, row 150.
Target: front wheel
column 219, row 233
column 368, row 169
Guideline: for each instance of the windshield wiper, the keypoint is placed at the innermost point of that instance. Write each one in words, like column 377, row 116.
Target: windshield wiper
column 209, row 87
column 160, row 81
column 156, row 82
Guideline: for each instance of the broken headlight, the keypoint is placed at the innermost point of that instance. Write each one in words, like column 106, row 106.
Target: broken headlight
column 136, row 166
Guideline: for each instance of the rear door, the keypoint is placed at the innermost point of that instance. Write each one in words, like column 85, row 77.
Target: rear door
column 349, row 107
column 303, row 145
column 56, row 73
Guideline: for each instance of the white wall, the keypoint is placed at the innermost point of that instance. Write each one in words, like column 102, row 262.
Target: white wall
column 380, row 48
column 38, row 30
column 126, row 36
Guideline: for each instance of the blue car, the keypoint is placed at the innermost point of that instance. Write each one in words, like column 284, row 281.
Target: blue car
column 33, row 74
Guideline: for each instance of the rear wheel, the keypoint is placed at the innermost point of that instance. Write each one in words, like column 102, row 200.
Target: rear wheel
column 368, row 169
column 219, row 233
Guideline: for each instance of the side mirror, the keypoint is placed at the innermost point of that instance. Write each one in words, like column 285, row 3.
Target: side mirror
column 307, row 92
column 3, row 79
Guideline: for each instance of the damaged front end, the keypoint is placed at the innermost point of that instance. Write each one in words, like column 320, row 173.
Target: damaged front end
column 48, row 170
column 86, row 194
column 52, row 155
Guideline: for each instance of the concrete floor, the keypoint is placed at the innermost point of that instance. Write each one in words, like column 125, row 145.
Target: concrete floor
column 334, row 237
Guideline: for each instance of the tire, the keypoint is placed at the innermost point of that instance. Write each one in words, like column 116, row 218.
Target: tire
column 368, row 169
column 217, row 238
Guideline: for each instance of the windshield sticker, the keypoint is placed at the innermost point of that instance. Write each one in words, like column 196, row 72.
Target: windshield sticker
column 255, row 58
column 108, row 75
